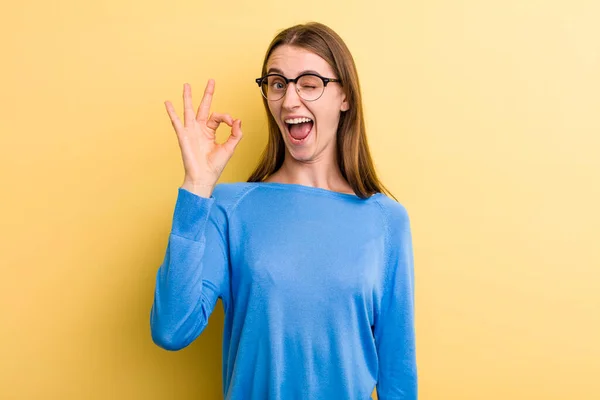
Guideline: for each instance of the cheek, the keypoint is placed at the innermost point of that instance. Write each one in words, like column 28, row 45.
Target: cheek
column 274, row 110
column 328, row 116
column 328, row 112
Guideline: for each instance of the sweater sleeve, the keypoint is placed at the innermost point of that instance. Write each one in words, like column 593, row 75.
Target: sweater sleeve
column 394, row 330
column 193, row 274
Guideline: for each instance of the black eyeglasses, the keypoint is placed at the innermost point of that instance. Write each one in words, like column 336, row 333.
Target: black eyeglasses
column 309, row 86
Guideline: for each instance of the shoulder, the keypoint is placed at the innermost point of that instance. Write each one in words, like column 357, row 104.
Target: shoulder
column 398, row 233
column 228, row 195
column 394, row 213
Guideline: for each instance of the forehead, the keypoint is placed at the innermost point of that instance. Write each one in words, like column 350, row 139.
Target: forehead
column 292, row 61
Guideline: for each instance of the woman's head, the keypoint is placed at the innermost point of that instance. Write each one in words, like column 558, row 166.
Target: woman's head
column 331, row 107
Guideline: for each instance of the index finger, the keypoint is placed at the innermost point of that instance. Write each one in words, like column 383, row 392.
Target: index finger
column 204, row 108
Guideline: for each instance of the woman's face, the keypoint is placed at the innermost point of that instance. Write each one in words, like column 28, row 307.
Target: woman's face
column 324, row 113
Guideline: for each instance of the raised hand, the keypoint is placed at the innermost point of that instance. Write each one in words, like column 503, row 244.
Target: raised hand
column 203, row 158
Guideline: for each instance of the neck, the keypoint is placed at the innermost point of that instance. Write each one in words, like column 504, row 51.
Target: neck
column 323, row 173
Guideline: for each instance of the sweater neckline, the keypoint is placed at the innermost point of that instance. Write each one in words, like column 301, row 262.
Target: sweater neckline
column 313, row 189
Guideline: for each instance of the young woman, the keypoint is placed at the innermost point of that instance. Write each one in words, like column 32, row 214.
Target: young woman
column 312, row 261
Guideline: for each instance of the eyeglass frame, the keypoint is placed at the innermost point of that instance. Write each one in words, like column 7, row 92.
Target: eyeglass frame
column 294, row 81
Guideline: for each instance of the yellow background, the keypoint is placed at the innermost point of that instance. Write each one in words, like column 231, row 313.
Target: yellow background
column 483, row 119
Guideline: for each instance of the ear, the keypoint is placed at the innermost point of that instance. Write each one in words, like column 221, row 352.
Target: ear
column 345, row 105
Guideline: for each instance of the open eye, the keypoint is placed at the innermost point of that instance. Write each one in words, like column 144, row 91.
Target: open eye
column 276, row 83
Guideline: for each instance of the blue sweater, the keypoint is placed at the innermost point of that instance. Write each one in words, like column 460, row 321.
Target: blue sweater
column 317, row 288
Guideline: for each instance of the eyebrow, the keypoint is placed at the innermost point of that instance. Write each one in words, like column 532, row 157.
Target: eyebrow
column 278, row 71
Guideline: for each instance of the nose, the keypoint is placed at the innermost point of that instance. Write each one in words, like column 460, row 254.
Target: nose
column 291, row 99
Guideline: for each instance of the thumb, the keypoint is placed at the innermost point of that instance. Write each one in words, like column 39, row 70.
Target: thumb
column 236, row 135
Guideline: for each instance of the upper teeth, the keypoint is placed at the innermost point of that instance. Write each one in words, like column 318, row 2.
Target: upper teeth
column 297, row 120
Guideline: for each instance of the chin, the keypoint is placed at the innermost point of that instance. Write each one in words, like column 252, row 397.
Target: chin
column 305, row 154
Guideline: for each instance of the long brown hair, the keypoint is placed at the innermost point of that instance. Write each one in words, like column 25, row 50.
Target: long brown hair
column 354, row 158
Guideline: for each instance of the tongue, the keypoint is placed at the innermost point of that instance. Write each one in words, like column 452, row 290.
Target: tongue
column 300, row 131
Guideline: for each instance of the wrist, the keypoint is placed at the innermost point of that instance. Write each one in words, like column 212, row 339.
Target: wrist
column 199, row 188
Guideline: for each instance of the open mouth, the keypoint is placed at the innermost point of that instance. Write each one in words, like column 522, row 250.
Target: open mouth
column 299, row 128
